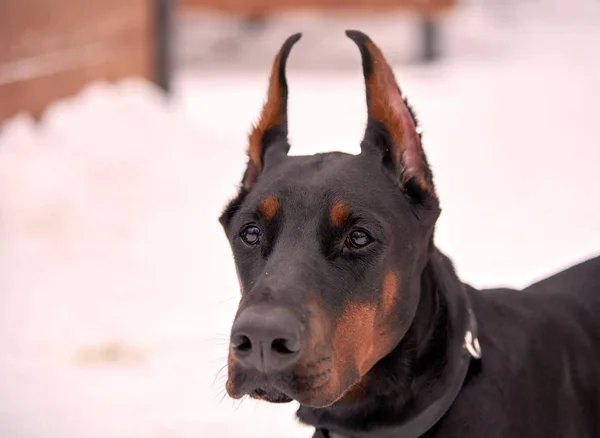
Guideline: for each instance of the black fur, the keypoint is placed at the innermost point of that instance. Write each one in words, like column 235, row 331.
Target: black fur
column 540, row 372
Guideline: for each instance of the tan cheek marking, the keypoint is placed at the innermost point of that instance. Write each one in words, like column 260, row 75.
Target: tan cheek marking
column 389, row 291
column 339, row 214
column 268, row 207
column 357, row 346
column 355, row 340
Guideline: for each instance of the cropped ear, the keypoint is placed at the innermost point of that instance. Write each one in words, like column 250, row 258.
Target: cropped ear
column 270, row 133
column 392, row 127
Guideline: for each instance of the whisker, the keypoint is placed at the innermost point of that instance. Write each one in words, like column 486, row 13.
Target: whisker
column 219, row 339
column 227, row 300
column 219, row 359
column 239, row 402
column 222, row 395
column 219, row 374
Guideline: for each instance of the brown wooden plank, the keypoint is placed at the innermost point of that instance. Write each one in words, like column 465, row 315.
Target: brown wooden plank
column 50, row 49
column 115, row 60
column 267, row 7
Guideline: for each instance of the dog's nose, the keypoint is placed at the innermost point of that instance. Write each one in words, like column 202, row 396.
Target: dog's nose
column 266, row 339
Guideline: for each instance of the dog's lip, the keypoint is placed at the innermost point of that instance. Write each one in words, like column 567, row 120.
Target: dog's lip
column 280, row 388
column 271, row 394
column 261, row 386
column 268, row 388
column 251, row 383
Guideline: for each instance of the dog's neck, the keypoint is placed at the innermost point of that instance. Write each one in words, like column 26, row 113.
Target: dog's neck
column 418, row 371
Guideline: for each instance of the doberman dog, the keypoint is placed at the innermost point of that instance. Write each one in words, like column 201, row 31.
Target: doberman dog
column 348, row 308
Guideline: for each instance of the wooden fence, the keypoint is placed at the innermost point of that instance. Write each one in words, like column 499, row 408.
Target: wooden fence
column 50, row 49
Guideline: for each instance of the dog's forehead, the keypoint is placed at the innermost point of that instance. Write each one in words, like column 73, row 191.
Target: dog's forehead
column 319, row 177
column 311, row 167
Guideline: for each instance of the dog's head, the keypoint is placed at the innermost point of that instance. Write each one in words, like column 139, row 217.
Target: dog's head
column 329, row 248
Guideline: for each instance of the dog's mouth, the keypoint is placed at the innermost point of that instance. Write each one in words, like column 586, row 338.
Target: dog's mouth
column 271, row 395
column 257, row 386
column 280, row 388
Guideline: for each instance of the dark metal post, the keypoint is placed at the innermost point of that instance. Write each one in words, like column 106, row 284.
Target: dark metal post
column 430, row 36
column 163, row 50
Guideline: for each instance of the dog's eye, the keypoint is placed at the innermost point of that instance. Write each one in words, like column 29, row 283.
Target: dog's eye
column 358, row 239
column 250, row 234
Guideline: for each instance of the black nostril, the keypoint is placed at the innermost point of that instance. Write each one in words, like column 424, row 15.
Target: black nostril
column 284, row 346
column 266, row 338
column 241, row 343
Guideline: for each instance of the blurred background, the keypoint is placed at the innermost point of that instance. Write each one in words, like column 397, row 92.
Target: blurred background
column 122, row 136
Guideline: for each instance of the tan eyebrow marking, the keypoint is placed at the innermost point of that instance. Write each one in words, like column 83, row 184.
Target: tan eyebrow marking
column 268, row 207
column 339, row 214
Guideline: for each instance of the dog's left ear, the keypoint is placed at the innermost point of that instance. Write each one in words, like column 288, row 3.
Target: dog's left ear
column 391, row 127
column 270, row 133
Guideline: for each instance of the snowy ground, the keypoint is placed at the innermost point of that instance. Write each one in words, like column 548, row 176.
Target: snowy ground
column 117, row 288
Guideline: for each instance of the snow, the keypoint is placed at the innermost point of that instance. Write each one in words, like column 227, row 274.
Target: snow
column 117, row 288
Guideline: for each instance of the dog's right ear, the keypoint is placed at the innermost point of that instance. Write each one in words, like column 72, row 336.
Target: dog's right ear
column 270, row 133
column 268, row 138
